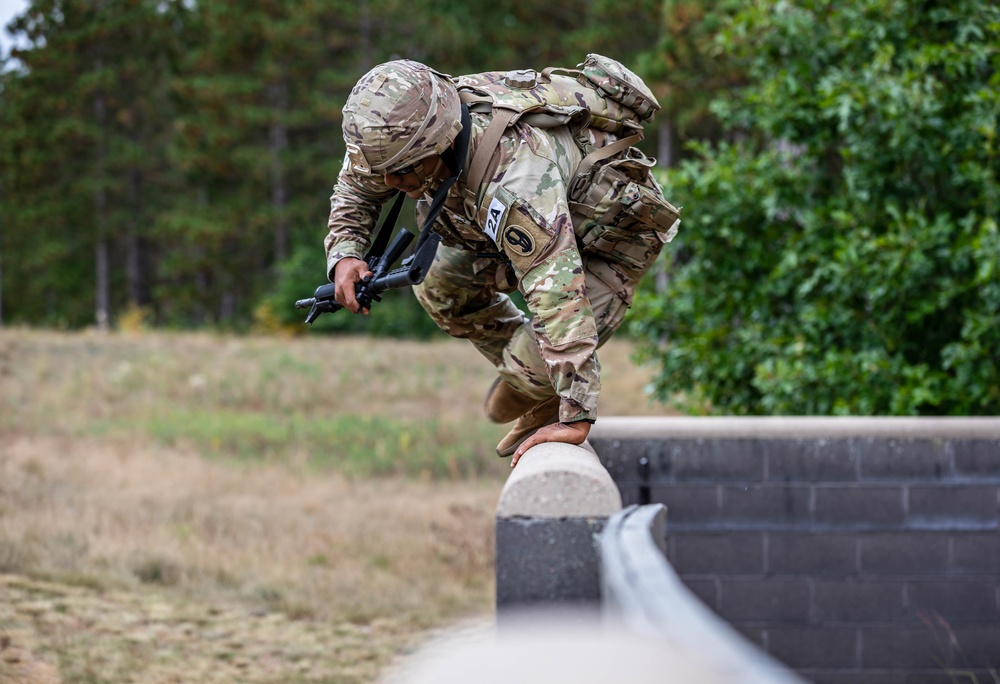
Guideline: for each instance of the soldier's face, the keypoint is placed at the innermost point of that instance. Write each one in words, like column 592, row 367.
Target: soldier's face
column 416, row 182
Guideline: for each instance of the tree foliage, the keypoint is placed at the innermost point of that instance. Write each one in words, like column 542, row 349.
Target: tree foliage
column 843, row 255
column 178, row 156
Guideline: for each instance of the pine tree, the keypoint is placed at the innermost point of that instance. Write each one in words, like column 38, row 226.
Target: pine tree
column 259, row 145
column 87, row 117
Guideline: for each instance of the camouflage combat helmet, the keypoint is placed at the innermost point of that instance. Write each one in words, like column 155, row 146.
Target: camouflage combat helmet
column 399, row 113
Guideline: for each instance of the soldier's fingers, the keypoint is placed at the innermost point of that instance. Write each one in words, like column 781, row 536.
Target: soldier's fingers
column 539, row 437
column 345, row 293
column 346, row 279
column 557, row 432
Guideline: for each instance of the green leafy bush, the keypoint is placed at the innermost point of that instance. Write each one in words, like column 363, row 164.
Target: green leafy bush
column 841, row 254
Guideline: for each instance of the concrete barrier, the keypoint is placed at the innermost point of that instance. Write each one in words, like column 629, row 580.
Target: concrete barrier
column 560, row 618
column 556, row 500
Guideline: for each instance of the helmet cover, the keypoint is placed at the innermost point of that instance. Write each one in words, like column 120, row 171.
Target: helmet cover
column 399, row 113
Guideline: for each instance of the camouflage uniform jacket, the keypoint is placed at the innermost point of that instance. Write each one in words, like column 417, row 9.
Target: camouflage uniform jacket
column 523, row 212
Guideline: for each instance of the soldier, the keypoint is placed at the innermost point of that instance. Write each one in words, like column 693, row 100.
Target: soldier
column 519, row 214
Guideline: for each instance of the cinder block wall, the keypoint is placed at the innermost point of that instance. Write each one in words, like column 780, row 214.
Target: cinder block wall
column 851, row 550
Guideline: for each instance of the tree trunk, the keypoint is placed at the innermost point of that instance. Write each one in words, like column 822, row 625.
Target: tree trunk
column 135, row 271
column 277, row 95
column 1, row 271
column 1, row 281
column 365, row 35
column 103, row 294
column 665, row 154
column 202, row 275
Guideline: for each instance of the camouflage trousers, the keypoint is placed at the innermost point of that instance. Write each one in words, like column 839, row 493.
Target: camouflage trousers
column 462, row 296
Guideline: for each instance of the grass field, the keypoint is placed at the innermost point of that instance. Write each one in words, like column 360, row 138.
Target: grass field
column 202, row 508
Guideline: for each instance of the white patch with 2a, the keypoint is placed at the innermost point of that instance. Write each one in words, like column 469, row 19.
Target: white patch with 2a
column 494, row 218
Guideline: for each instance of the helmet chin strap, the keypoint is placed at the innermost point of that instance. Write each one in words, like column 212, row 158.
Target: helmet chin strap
column 454, row 159
column 427, row 180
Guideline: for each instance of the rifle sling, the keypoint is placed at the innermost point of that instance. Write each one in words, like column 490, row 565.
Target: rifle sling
column 461, row 152
column 385, row 232
column 389, row 224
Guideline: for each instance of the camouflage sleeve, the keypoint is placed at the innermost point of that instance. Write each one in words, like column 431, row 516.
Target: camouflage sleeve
column 354, row 210
column 526, row 214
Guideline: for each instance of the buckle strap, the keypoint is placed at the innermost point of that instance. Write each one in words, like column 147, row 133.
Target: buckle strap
column 602, row 153
column 481, row 159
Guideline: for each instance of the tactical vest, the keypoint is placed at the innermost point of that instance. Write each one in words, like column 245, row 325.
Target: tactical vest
column 601, row 93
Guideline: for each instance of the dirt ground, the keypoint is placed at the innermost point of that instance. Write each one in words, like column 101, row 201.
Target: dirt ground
column 125, row 565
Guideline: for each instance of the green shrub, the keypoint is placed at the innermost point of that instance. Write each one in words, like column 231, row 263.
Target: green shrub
column 842, row 255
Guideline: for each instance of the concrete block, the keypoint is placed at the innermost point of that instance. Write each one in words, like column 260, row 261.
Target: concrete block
column 827, row 460
column 797, row 427
column 687, row 505
column 555, row 481
column 856, row 677
column 953, row 507
column 803, row 647
column 717, row 460
column 755, row 635
column 706, row 589
column 765, row 601
column 621, row 458
column 956, row 600
column 977, row 457
column 547, row 561
column 766, row 505
column 899, row 646
column 976, row 553
column 859, row 600
column 724, row 553
column 949, row 675
column 906, row 459
column 859, row 507
column 884, row 522
column 979, row 647
column 904, row 553
column 812, row 553
column 557, row 498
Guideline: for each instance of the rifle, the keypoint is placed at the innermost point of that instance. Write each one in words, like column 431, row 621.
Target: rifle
column 379, row 259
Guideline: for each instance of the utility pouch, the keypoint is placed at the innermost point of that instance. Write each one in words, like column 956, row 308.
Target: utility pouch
column 616, row 81
column 619, row 213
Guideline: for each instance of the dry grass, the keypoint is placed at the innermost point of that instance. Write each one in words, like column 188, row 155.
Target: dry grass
column 361, row 566
column 348, row 403
column 188, row 507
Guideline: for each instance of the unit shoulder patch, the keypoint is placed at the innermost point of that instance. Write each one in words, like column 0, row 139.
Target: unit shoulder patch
column 518, row 240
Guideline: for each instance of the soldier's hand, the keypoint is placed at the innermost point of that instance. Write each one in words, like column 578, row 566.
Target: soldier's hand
column 348, row 272
column 570, row 433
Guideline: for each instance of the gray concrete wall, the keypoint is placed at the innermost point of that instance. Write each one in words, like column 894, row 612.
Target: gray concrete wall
column 641, row 590
column 852, row 550
column 585, row 594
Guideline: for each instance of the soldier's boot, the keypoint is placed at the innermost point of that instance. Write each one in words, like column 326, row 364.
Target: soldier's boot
column 504, row 403
column 545, row 413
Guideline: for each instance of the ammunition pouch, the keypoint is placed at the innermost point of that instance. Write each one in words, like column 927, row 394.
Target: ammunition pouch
column 619, row 212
